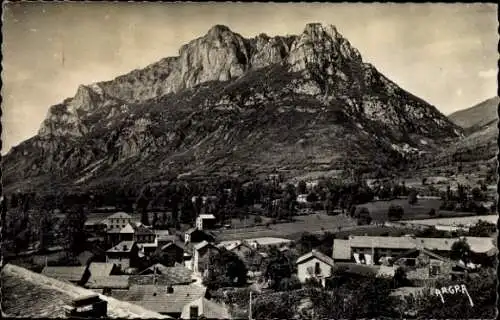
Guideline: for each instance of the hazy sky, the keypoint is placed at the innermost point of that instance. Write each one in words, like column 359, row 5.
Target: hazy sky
column 443, row 53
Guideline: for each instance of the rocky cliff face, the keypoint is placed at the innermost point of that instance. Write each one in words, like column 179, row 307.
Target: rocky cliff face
column 228, row 104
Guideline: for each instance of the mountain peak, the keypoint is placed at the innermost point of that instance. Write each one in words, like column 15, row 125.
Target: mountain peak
column 218, row 29
column 318, row 29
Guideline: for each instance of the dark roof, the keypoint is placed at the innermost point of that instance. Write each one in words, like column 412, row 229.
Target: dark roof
column 73, row 274
column 356, row 269
column 112, row 282
column 143, row 230
column 164, row 276
column 124, row 246
column 318, row 255
column 157, row 299
column 28, row 294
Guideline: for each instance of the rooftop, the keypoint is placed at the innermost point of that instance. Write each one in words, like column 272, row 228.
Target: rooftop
column 318, row 255
column 100, row 269
column 73, row 274
column 31, row 295
column 206, row 216
column 158, row 299
column 120, row 215
column 164, row 275
column 112, row 282
column 124, row 246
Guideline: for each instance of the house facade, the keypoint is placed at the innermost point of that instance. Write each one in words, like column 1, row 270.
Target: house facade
column 205, row 221
column 314, row 265
column 202, row 252
column 117, row 220
column 124, row 255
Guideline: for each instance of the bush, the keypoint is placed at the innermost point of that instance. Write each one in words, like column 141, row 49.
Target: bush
column 432, row 212
column 395, row 212
column 412, row 197
column 258, row 220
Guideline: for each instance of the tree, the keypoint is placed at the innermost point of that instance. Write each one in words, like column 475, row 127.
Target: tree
column 424, row 181
column 312, row 197
column 400, row 279
column 460, row 250
column 482, row 229
column 412, row 197
column 277, row 268
column 73, row 227
column 432, row 212
column 395, row 212
column 225, row 270
column 301, row 187
column 281, row 305
column 364, row 216
column 477, row 195
column 154, row 221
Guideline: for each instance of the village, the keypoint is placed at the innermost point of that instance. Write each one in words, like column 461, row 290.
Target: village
column 193, row 270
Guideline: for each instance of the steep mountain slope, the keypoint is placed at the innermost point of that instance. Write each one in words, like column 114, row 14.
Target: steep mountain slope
column 477, row 116
column 230, row 105
column 480, row 124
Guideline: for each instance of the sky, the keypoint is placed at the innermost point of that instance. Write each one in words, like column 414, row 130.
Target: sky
column 444, row 53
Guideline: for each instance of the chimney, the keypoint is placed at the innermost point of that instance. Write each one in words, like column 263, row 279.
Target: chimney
column 170, row 289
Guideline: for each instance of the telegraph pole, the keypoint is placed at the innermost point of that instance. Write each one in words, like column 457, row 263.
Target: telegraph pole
column 250, row 307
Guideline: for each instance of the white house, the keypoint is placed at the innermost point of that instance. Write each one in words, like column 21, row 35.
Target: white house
column 117, row 220
column 302, row 198
column 205, row 220
column 314, row 265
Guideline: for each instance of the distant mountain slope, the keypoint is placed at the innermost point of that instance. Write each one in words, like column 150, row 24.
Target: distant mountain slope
column 478, row 115
column 480, row 124
column 230, row 106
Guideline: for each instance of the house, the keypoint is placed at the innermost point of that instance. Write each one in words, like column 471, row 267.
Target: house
column 422, row 264
column 166, row 300
column 172, row 253
column 78, row 275
column 30, row 295
column 143, row 234
column 204, row 308
column 163, row 275
column 205, row 221
column 195, row 235
column 201, row 256
column 371, row 249
column 241, row 248
column 302, row 198
column 314, row 265
column 124, row 255
column 117, row 220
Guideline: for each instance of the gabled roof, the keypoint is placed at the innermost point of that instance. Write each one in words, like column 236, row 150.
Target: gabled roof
column 208, row 309
column 318, row 255
column 341, row 249
column 65, row 273
column 203, row 244
column 157, row 298
column 127, row 229
column 142, row 230
column 111, row 282
column 119, row 215
column 28, row 294
column 124, row 246
column 430, row 254
column 191, row 230
column 100, row 269
column 170, row 244
column 164, row 275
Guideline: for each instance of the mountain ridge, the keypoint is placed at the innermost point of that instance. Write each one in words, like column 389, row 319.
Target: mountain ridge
column 186, row 112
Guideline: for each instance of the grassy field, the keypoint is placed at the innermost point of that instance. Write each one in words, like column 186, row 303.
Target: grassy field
column 420, row 210
column 314, row 223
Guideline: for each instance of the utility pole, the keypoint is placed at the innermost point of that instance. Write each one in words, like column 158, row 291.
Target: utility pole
column 250, row 307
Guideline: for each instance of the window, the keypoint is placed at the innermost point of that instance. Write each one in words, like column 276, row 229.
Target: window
column 317, row 269
column 434, row 270
column 193, row 312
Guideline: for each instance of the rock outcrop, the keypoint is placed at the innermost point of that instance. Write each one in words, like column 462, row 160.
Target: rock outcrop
column 228, row 104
